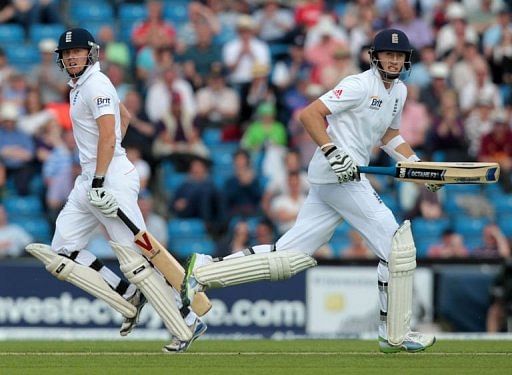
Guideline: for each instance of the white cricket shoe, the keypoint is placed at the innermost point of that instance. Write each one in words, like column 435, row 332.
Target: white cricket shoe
column 178, row 346
column 138, row 300
column 190, row 285
column 413, row 342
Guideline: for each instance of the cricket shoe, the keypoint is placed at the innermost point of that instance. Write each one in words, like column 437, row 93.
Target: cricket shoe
column 138, row 300
column 190, row 285
column 413, row 342
column 178, row 346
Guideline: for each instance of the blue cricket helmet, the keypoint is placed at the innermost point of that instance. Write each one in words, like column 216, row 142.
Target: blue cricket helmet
column 77, row 38
column 392, row 40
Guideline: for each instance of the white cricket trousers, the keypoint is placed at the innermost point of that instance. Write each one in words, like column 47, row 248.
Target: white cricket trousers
column 326, row 206
column 79, row 218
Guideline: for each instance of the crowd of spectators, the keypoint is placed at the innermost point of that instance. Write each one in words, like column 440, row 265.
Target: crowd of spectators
column 215, row 98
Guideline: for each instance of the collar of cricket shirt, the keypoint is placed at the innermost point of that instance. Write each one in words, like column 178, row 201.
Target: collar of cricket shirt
column 90, row 70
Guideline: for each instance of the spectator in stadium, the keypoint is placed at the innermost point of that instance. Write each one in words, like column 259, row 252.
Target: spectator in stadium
column 462, row 71
column 431, row 94
column 141, row 132
column 274, row 23
column 419, row 32
column 451, row 246
column 357, row 249
column 197, row 196
column 259, row 89
column 478, row 124
column 285, row 207
column 3, row 180
column 58, row 170
column 495, row 244
column 456, row 32
column 415, row 119
column 238, row 238
column 17, row 149
column 360, row 21
column 201, row 19
column 218, row 104
column 153, row 25
column 198, row 58
column 116, row 74
column 15, row 91
column 502, row 65
column 240, row 55
column 159, row 95
column 480, row 87
column 341, row 67
column 495, row 34
column 496, row 146
column 242, row 191
column 35, row 116
column 420, row 74
column 447, row 132
column 112, row 50
column 177, row 138
column 265, row 130
column 152, row 58
column 5, row 68
column 13, row 238
column 47, row 76
column 500, row 309
column 155, row 223
column 308, row 12
column 264, row 231
column 426, row 204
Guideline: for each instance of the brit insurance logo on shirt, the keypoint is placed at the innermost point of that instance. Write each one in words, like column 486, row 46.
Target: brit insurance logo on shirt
column 375, row 103
column 102, row 101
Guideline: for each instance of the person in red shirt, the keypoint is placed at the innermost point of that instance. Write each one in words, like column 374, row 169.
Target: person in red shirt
column 497, row 147
column 154, row 23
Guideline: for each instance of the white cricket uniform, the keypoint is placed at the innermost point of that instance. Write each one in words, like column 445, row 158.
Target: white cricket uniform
column 91, row 97
column 362, row 109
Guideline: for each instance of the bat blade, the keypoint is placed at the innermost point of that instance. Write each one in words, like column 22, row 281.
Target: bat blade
column 440, row 173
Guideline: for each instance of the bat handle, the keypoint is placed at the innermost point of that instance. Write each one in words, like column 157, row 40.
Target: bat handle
column 387, row 171
column 127, row 221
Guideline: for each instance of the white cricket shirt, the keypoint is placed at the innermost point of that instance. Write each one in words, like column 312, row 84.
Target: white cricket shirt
column 93, row 96
column 362, row 109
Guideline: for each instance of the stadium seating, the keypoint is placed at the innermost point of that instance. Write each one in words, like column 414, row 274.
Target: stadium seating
column 39, row 32
column 87, row 11
column 26, row 207
column 468, row 226
column 178, row 228
column 182, row 248
column 11, row 34
column 212, row 137
column 176, row 12
column 23, row 57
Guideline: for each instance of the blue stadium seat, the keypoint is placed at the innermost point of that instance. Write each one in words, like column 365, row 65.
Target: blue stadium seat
column 502, row 204
column 11, row 34
column 423, row 244
column 212, row 137
column 186, row 228
column 129, row 13
column 505, row 223
column 439, row 156
column 92, row 11
column 429, row 228
column 468, row 226
column 186, row 247
column 473, row 241
column 173, row 181
column 23, row 56
column 390, row 201
column 38, row 227
column 176, row 13
column 28, row 206
column 39, row 32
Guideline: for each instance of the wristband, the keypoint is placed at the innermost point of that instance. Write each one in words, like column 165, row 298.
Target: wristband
column 329, row 144
column 98, row 181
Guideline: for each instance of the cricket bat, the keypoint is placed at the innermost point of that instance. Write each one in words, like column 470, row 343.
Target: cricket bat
column 170, row 268
column 439, row 173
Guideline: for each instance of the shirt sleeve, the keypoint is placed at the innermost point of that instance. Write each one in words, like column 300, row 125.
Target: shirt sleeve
column 348, row 94
column 102, row 101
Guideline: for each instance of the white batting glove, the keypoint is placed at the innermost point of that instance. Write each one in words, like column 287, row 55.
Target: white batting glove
column 102, row 199
column 433, row 187
column 342, row 164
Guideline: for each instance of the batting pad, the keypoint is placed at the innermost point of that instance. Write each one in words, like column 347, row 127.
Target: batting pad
column 276, row 265
column 81, row 276
column 161, row 296
column 402, row 263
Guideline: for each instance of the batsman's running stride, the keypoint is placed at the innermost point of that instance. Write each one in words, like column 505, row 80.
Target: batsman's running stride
column 108, row 181
column 362, row 111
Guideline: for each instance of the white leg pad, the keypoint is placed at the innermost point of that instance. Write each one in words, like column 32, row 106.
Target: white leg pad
column 81, row 276
column 161, row 296
column 276, row 265
column 402, row 263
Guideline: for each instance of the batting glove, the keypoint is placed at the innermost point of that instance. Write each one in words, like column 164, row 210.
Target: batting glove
column 433, row 187
column 102, row 199
column 342, row 165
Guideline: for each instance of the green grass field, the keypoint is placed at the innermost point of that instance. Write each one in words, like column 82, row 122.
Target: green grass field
column 251, row 357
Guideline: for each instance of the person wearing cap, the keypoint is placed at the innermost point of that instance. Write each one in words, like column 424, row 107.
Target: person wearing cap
column 265, row 130
column 361, row 112
column 431, row 94
column 456, row 32
column 108, row 181
column 47, row 76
